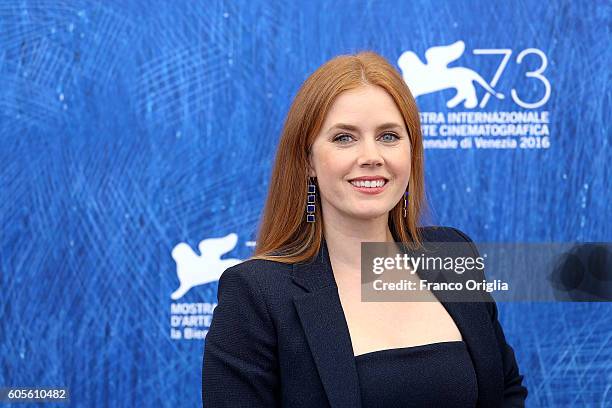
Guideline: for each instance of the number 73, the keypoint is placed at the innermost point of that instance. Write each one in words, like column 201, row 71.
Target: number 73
column 537, row 74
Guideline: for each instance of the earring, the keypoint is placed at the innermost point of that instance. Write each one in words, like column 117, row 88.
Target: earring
column 310, row 202
column 405, row 203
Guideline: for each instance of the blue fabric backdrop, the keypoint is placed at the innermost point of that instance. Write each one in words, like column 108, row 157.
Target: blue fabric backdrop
column 132, row 131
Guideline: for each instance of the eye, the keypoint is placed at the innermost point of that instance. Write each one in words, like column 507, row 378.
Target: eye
column 395, row 137
column 342, row 136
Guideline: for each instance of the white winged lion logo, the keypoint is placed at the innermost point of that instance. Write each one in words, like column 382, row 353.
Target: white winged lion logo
column 436, row 75
column 193, row 269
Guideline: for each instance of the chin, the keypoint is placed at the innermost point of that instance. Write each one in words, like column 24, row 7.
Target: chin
column 369, row 215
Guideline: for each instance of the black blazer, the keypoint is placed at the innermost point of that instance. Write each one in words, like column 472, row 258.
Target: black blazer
column 278, row 337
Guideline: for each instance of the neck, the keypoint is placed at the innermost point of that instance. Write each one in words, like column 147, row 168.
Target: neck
column 344, row 237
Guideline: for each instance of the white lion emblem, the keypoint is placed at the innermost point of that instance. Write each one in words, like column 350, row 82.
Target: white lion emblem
column 436, row 75
column 193, row 269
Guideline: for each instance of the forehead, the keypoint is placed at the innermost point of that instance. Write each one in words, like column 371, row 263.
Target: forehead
column 364, row 104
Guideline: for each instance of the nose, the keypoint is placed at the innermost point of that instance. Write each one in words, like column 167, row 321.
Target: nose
column 369, row 154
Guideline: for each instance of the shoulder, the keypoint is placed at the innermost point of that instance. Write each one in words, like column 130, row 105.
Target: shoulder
column 260, row 268
column 443, row 234
column 460, row 244
column 258, row 274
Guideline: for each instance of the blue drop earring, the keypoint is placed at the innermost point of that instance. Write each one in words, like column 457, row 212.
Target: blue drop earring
column 405, row 203
column 310, row 202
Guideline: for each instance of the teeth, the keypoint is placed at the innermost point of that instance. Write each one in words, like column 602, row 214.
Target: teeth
column 368, row 183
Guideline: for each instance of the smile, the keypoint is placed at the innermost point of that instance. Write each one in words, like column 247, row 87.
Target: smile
column 369, row 183
column 369, row 186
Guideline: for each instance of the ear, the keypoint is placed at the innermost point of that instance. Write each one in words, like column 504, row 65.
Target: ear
column 311, row 170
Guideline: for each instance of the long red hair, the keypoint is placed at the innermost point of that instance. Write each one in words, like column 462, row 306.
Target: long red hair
column 284, row 235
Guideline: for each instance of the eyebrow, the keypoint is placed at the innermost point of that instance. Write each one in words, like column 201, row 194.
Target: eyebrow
column 389, row 125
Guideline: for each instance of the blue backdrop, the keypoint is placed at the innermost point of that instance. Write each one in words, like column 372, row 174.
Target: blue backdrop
column 133, row 132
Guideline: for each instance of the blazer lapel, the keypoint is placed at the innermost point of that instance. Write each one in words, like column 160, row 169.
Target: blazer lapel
column 474, row 323
column 477, row 332
column 324, row 323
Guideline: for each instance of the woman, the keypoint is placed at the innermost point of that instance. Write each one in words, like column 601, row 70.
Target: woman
column 290, row 328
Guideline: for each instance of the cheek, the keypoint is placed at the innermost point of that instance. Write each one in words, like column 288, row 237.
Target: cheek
column 335, row 165
column 401, row 165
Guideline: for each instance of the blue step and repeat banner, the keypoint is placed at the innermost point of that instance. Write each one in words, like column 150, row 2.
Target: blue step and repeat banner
column 136, row 148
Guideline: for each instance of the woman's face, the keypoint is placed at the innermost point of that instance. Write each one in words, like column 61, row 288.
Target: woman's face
column 363, row 136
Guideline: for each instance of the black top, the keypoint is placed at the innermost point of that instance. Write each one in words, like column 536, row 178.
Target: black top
column 430, row 375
